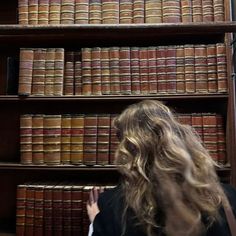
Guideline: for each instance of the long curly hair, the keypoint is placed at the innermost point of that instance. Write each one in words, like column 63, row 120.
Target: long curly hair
column 165, row 169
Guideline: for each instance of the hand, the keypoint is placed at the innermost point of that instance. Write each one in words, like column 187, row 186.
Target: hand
column 92, row 210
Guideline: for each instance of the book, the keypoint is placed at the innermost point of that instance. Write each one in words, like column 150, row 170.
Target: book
column 12, row 75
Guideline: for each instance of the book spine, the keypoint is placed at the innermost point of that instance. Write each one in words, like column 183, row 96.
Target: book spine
column 201, row 68
column 26, row 139
column 186, row 11
column 78, row 75
column 138, row 11
column 103, row 138
column 43, row 13
column 207, row 10
column 126, row 11
column 105, row 71
column 66, row 210
column 29, row 210
column 20, row 209
column 113, row 141
column 110, row 11
column 180, row 76
column 221, row 140
column 212, row 68
column 26, row 71
column 96, row 71
column 161, row 69
column 38, row 210
column 33, row 12
column 218, row 6
column 47, row 210
column 143, row 63
column 197, row 124
column 153, row 11
column 23, row 12
column 95, row 12
column 54, row 11
column 58, row 72
column 81, row 11
column 65, row 139
column 152, row 70
column 69, row 73
column 37, row 139
column 67, row 11
column 86, row 71
column 114, row 59
column 90, row 140
column 49, row 72
column 77, row 139
column 197, row 10
column 52, row 139
column 171, row 11
column 185, row 119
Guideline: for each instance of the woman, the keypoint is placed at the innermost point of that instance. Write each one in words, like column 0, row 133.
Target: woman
column 168, row 186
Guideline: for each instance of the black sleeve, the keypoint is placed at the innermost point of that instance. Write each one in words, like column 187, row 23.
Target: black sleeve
column 231, row 194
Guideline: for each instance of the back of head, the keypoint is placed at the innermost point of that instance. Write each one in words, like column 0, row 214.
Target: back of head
column 165, row 169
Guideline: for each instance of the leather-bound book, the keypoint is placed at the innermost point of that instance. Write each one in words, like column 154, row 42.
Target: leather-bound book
column 171, row 11
column 201, row 68
column 186, row 11
column 96, row 71
column 197, row 10
column 110, row 11
column 180, row 76
column 138, row 11
column 185, row 119
column 23, row 12
column 77, row 139
column 43, row 14
column 207, row 10
column 125, row 72
column 65, row 138
column 219, row 11
column 33, row 12
column 86, row 71
column 212, row 68
column 69, row 73
column 90, row 139
column 54, row 11
column 113, row 141
column 49, row 72
column 38, row 77
column 26, row 139
column 143, row 69
column 95, row 11
column 153, row 11
column 67, row 11
column 12, row 75
column 221, row 140
column 135, row 70
column 25, row 71
column 52, row 139
column 78, row 75
column 190, row 81
column 38, row 210
column 105, row 71
column 197, row 123
column 20, row 209
column 114, row 65
column 103, row 139
column 221, row 67
column 126, row 11
column 152, row 70
column 66, row 209
column 58, row 72
column 81, row 11
column 37, row 139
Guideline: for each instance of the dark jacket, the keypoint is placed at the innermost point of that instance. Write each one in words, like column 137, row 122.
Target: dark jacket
column 109, row 221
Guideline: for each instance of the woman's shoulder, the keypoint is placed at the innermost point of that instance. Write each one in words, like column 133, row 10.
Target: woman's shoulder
column 230, row 192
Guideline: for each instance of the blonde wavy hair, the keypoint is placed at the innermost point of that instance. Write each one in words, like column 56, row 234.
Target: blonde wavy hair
column 165, row 170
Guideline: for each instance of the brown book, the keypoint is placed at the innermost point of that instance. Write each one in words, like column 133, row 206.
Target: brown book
column 138, row 11
column 54, row 11
column 180, row 76
column 78, row 75
column 185, row 119
column 20, row 209
column 23, row 12
column 126, row 11
column 207, row 10
column 96, row 71
column 186, row 11
column 65, row 138
column 77, row 139
column 26, row 139
column 33, row 12
column 152, row 70
column 66, row 209
column 114, row 65
column 197, row 10
column 67, row 11
column 171, row 11
column 90, row 139
column 95, row 11
column 86, row 71
column 110, row 11
column 212, row 68
column 43, row 14
column 105, row 71
column 221, row 140
column 143, row 69
column 52, row 139
column 201, row 68
column 37, row 139
column 69, row 73
column 153, row 11
column 218, row 7
column 103, row 139
column 81, row 11
column 26, row 71
column 49, row 72
column 48, row 209
column 38, row 210
column 113, row 141
column 197, row 124
column 58, row 72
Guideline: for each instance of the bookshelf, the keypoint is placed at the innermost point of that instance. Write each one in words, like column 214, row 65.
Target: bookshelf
column 13, row 37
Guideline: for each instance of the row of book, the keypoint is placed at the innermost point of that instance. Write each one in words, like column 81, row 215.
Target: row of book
column 53, row 209
column 45, row 12
column 91, row 139
column 124, row 70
